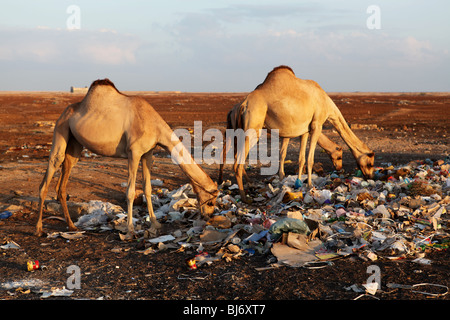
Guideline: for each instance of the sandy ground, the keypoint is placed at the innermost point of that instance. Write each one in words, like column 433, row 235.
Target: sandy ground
column 399, row 127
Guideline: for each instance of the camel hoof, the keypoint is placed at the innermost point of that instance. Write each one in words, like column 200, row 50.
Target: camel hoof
column 39, row 233
column 155, row 223
column 247, row 200
column 73, row 228
column 130, row 235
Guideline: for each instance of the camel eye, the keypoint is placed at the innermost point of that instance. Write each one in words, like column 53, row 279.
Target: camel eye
column 210, row 203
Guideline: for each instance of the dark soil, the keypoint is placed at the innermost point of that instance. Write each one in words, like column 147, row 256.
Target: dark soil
column 408, row 127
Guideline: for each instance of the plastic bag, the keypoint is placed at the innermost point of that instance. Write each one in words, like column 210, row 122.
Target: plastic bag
column 289, row 225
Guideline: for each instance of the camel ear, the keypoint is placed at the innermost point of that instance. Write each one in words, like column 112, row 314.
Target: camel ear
column 371, row 155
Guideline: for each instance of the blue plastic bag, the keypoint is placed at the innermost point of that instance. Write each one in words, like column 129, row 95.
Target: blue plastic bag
column 5, row 214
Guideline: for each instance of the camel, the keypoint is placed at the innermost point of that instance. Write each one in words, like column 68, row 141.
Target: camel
column 296, row 107
column 333, row 150
column 113, row 124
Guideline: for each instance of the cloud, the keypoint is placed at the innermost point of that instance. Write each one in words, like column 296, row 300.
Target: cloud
column 59, row 46
column 261, row 12
column 342, row 58
column 106, row 48
column 229, row 49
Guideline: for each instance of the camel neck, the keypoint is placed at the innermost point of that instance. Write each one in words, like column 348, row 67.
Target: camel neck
column 181, row 156
column 357, row 146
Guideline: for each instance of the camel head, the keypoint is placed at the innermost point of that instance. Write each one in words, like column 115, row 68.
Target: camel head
column 365, row 162
column 207, row 200
column 336, row 157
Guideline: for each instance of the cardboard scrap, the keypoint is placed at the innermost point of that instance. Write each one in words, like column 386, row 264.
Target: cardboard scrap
column 295, row 257
column 165, row 238
column 212, row 236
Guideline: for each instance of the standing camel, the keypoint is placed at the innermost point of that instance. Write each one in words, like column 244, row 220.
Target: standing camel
column 333, row 150
column 295, row 107
column 112, row 124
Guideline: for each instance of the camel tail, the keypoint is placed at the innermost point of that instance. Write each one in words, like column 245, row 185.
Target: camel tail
column 232, row 123
column 240, row 119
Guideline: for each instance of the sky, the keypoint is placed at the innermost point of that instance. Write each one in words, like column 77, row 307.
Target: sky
column 224, row 46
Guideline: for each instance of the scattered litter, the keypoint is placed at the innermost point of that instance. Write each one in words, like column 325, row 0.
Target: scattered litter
column 32, row 265
column 294, row 257
column 33, row 284
column 371, row 287
column 191, row 278
column 36, row 286
column 5, row 214
column 402, row 213
column 317, row 264
column 56, row 292
column 162, row 239
column 410, row 287
column 191, row 263
column 10, row 245
column 289, row 225
column 98, row 215
column 157, row 183
column 69, row 235
column 422, row 261
column 212, row 236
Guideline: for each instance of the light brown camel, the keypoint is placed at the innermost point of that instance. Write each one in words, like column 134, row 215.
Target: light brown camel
column 295, row 107
column 333, row 150
column 112, row 124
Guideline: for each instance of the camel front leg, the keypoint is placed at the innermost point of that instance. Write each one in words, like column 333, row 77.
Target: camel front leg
column 239, row 169
column 283, row 151
column 147, row 160
column 133, row 165
column 302, row 154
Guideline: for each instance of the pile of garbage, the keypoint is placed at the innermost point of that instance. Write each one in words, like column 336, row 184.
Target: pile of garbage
column 402, row 213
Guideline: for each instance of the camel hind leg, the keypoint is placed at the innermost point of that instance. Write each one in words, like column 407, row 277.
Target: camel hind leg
column 316, row 130
column 73, row 152
column 56, row 158
column 283, row 151
column 249, row 142
column 133, row 165
column 302, row 154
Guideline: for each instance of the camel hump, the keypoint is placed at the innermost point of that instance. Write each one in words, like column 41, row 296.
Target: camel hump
column 276, row 70
column 103, row 82
column 282, row 67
